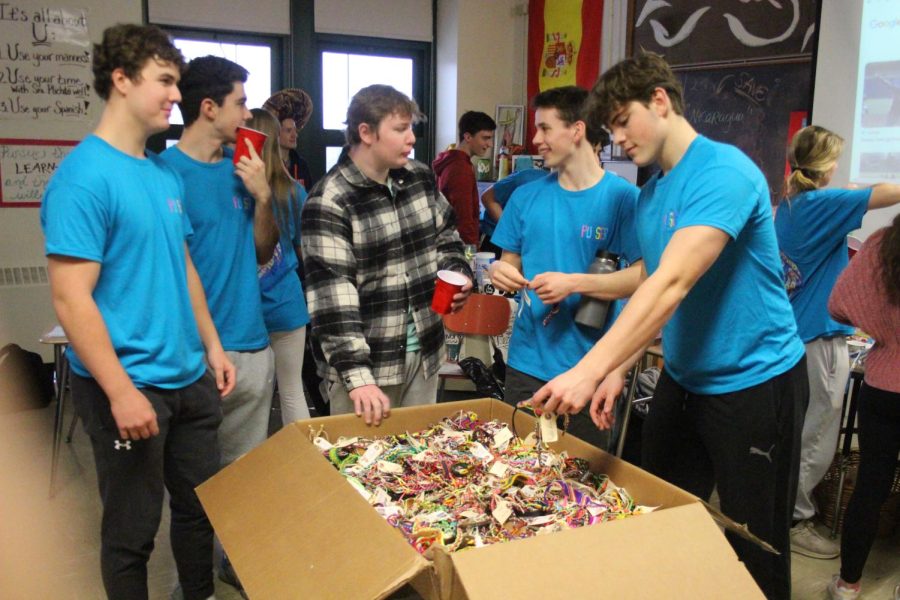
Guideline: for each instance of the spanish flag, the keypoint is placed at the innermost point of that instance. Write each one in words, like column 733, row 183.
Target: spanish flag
column 563, row 46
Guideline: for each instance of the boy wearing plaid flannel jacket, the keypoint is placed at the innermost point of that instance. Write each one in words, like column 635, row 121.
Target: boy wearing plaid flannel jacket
column 375, row 231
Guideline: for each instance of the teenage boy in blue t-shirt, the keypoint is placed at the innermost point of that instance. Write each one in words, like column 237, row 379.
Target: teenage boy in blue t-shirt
column 233, row 229
column 131, row 303
column 230, row 212
column 728, row 408
column 550, row 232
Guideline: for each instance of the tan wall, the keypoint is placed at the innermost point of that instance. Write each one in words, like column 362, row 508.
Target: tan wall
column 484, row 43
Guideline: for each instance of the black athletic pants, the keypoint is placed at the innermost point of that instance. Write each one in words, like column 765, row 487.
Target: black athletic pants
column 132, row 473
column 879, row 444
column 746, row 444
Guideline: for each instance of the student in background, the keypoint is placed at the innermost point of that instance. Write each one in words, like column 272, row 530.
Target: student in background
column 867, row 295
column 812, row 224
column 128, row 296
column 283, row 303
column 293, row 108
column 728, row 409
column 456, row 176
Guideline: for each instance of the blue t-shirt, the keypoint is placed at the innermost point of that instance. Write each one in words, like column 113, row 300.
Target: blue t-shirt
column 735, row 328
column 126, row 213
column 222, row 247
column 503, row 189
column 283, row 304
column 554, row 229
column 812, row 230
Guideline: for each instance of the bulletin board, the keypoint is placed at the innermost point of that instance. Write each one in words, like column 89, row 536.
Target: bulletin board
column 26, row 167
column 45, row 63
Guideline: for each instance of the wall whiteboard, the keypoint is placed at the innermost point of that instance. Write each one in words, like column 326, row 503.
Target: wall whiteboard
column 45, row 63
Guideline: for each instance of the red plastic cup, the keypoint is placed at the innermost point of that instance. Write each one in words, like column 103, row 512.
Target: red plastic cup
column 257, row 138
column 449, row 283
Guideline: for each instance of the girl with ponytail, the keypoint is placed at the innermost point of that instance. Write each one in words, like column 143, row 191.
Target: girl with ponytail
column 812, row 227
column 284, row 307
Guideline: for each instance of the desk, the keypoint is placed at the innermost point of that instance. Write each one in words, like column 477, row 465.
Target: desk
column 57, row 337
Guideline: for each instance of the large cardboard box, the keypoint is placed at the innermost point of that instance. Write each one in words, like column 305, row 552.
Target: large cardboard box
column 295, row 529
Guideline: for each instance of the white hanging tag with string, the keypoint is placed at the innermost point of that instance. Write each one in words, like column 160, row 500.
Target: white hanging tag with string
column 549, row 431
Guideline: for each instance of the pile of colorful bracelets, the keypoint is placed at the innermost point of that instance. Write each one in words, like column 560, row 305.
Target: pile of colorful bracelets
column 467, row 483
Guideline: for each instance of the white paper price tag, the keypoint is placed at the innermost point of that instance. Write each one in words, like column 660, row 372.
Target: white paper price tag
column 322, row 444
column 502, row 437
column 380, row 497
column 549, row 431
column 480, row 452
column 342, row 441
column 371, row 454
column 498, row 469
column 502, row 511
column 389, row 467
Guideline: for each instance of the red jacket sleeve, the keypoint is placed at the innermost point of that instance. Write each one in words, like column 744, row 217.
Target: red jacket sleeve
column 457, row 183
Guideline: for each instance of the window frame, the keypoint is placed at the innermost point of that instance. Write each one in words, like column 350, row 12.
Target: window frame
column 278, row 46
column 422, row 88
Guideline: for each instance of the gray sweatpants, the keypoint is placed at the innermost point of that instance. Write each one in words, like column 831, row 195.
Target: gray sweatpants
column 245, row 411
column 415, row 390
column 828, row 366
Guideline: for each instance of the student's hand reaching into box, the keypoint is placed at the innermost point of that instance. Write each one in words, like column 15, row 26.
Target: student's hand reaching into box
column 370, row 403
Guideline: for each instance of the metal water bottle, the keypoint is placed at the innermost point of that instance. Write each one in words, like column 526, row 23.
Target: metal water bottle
column 591, row 311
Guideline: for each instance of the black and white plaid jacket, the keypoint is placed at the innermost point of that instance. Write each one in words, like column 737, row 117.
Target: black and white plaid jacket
column 368, row 256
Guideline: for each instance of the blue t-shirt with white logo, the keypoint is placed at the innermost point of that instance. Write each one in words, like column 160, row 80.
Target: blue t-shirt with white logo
column 284, row 307
column 554, row 229
column 222, row 247
column 735, row 328
column 812, row 230
column 126, row 214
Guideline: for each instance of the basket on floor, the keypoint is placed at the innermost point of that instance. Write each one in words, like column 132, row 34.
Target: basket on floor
column 826, row 494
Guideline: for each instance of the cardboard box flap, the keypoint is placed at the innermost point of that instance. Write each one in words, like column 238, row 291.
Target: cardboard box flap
column 736, row 528
column 674, row 553
column 292, row 530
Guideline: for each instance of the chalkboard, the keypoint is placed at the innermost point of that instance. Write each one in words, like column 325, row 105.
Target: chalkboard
column 26, row 167
column 749, row 107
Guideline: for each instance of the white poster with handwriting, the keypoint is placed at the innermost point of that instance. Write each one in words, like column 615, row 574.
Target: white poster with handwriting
column 26, row 167
column 45, row 63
